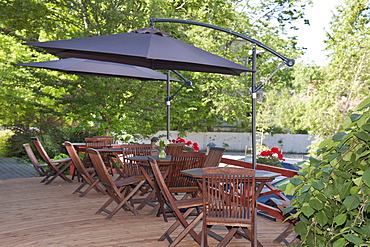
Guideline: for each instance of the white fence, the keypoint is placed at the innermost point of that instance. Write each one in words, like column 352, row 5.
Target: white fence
column 236, row 142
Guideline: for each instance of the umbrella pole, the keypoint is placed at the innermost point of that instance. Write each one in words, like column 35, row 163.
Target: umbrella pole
column 254, row 106
column 168, row 103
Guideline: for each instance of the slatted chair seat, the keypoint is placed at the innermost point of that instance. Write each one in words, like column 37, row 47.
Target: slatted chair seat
column 87, row 174
column 57, row 167
column 120, row 191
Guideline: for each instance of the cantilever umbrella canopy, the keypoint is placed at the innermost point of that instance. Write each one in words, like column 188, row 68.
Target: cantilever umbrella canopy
column 99, row 68
column 147, row 47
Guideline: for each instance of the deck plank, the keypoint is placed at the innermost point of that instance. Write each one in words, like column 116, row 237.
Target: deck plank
column 34, row 214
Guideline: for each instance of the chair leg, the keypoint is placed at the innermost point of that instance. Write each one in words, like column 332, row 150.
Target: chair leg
column 183, row 222
column 125, row 200
column 187, row 230
column 282, row 236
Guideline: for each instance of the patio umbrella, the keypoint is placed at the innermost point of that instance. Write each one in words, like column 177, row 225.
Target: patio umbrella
column 99, row 68
column 147, row 47
column 107, row 69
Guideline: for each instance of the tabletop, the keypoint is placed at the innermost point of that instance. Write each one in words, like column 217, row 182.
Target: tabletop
column 110, row 150
column 83, row 144
column 166, row 160
column 260, row 176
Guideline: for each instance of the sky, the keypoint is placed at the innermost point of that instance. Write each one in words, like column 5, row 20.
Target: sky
column 312, row 37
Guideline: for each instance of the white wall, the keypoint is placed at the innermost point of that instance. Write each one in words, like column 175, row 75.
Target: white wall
column 292, row 143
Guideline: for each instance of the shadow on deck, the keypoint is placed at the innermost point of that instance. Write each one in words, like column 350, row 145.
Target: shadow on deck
column 34, row 214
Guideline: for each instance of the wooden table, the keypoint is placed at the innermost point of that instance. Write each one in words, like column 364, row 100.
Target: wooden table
column 261, row 177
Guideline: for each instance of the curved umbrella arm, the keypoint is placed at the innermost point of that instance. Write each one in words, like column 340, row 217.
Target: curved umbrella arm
column 287, row 61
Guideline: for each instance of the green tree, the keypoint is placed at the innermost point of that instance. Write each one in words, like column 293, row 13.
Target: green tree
column 216, row 98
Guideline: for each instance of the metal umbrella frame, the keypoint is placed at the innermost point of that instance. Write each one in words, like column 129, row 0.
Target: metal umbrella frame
column 254, row 88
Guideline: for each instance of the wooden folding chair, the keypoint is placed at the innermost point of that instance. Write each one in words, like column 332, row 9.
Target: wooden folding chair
column 178, row 183
column 189, row 205
column 97, row 143
column 87, row 174
column 42, row 169
column 229, row 200
column 131, row 150
column 119, row 191
column 174, row 148
column 57, row 167
column 214, row 157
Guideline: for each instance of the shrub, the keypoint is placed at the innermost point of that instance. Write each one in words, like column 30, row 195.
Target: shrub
column 332, row 194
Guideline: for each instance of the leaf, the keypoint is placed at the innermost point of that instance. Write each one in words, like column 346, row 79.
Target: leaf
column 295, row 181
column 366, row 177
column 353, row 239
column 321, row 218
column 321, row 197
column 314, row 162
column 339, row 243
column 354, row 117
column 307, row 210
column 363, row 104
column 289, row 189
column 333, row 156
column 318, row 185
column 344, row 189
column 301, row 228
column 366, row 127
column 351, row 202
column 316, row 204
column 288, row 209
column 362, row 135
column 305, row 188
column 340, row 219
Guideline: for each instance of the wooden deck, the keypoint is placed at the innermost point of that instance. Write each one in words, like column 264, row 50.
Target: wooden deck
column 34, row 214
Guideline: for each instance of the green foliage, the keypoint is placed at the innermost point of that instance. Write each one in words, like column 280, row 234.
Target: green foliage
column 332, row 194
column 34, row 98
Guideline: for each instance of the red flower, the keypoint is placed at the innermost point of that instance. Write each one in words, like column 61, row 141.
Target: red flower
column 275, row 150
column 280, row 156
column 188, row 143
column 195, row 144
column 196, row 149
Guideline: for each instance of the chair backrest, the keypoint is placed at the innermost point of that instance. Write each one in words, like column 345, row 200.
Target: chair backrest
column 105, row 137
column 161, row 185
column 228, row 195
column 174, row 148
column 33, row 159
column 132, row 150
column 101, row 169
column 183, row 161
column 214, row 157
column 42, row 152
column 77, row 161
column 99, row 142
